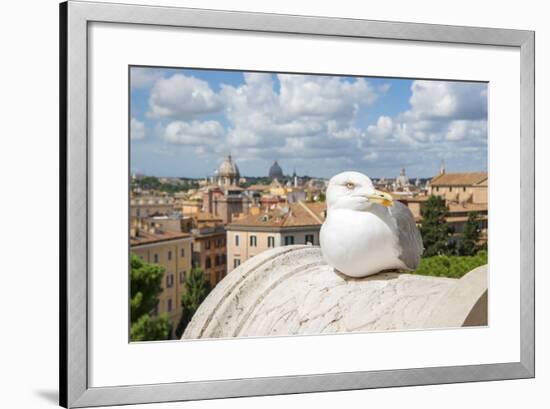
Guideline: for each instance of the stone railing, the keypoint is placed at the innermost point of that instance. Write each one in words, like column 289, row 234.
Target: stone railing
column 290, row 291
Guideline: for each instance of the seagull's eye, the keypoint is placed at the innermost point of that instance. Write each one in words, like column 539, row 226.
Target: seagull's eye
column 350, row 185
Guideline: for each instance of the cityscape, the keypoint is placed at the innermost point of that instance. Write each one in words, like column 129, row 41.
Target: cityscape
column 227, row 164
column 216, row 223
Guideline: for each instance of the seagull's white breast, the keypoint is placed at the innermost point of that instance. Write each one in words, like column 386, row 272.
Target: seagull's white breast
column 359, row 243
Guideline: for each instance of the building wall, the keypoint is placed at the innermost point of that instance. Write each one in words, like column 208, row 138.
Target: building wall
column 191, row 207
column 480, row 194
column 244, row 250
column 474, row 194
column 145, row 210
column 210, row 247
column 415, row 208
column 177, row 265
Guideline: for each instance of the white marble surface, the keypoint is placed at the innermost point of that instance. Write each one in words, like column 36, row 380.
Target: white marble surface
column 291, row 290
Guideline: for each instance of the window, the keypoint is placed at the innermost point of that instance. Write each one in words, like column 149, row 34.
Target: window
column 217, row 260
column 270, row 241
column 207, row 263
column 207, row 244
column 169, row 280
column 450, row 188
column 464, row 188
column 224, row 259
column 437, row 188
column 182, row 277
column 309, row 238
column 253, row 241
column 169, row 307
column 169, row 254
column 289, row 240
column 182, row 252
column 236, row 262
column 155, row 258
column 236, row 239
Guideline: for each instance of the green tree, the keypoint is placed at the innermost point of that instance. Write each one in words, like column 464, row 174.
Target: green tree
column 468, row 245
column 450, row 266
column 434, row 229
column 150, row 329
column 197, row 287
column 145, row 287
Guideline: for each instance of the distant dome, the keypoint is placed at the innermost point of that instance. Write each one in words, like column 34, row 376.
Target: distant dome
column 275, row 171
column 228, row 168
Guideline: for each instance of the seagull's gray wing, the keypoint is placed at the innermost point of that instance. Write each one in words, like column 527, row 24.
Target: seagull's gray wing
column 410, row 239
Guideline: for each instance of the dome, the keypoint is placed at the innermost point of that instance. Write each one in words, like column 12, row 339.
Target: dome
column 228, row 168
column 275, row 171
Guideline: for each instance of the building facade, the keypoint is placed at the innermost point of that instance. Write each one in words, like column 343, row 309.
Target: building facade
column 209, row 252
column 461, row 187
column 171, row 250
column 299, row 223
column 145, row 206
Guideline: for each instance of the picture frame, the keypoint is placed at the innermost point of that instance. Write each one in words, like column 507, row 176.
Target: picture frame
column 75, row 17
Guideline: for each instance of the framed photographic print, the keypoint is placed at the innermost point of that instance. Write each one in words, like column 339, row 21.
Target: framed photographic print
column 295, row 198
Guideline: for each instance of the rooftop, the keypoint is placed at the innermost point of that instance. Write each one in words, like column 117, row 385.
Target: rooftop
column 460, row 179
column 146, row 237
column 294, row 215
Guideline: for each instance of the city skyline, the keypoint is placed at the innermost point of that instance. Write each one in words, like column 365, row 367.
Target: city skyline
column 184, row 122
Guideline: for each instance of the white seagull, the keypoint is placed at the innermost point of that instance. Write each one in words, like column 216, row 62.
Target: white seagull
column 366, row 231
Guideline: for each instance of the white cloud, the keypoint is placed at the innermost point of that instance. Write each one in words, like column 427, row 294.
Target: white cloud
column 307, row 95
column 141, row 77
column 318, row 120
column 194, row 133
column 371, row 156
column 307, row 113
column 448, row 100
column 382, row 129
column 462, row 129
column 182, row 96
column 137, row 129
column 440, row 111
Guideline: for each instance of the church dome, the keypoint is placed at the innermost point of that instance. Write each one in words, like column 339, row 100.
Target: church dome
column 275, row 171
column 228, row 168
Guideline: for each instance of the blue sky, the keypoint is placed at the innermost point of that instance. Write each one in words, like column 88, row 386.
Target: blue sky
column 183, row 122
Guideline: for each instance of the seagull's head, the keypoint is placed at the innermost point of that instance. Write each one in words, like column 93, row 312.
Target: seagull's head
column 354, row 191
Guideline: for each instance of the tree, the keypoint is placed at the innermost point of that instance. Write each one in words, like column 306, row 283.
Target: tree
column 150, row 329
column 468, row 245
column 434, row 229
column 197, row 287
column 145, row 287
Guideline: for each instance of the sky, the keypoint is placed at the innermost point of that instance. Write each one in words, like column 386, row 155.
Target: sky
column 183, row 122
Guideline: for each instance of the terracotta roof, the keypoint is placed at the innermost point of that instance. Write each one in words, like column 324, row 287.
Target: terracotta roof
column 414, row 199
column 149, row 238
column 294, row 215
column 205, row 216
column 460, row 179
column 259, row 187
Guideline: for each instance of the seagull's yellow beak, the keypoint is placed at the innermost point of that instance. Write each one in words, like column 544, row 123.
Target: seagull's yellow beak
column 380, row 197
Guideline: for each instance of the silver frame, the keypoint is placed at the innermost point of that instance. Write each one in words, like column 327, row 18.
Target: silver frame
column 74, row 18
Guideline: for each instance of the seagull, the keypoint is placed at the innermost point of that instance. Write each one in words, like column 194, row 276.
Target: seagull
column 366, row 231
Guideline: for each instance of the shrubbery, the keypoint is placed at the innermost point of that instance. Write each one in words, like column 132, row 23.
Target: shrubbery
column 450, row 266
